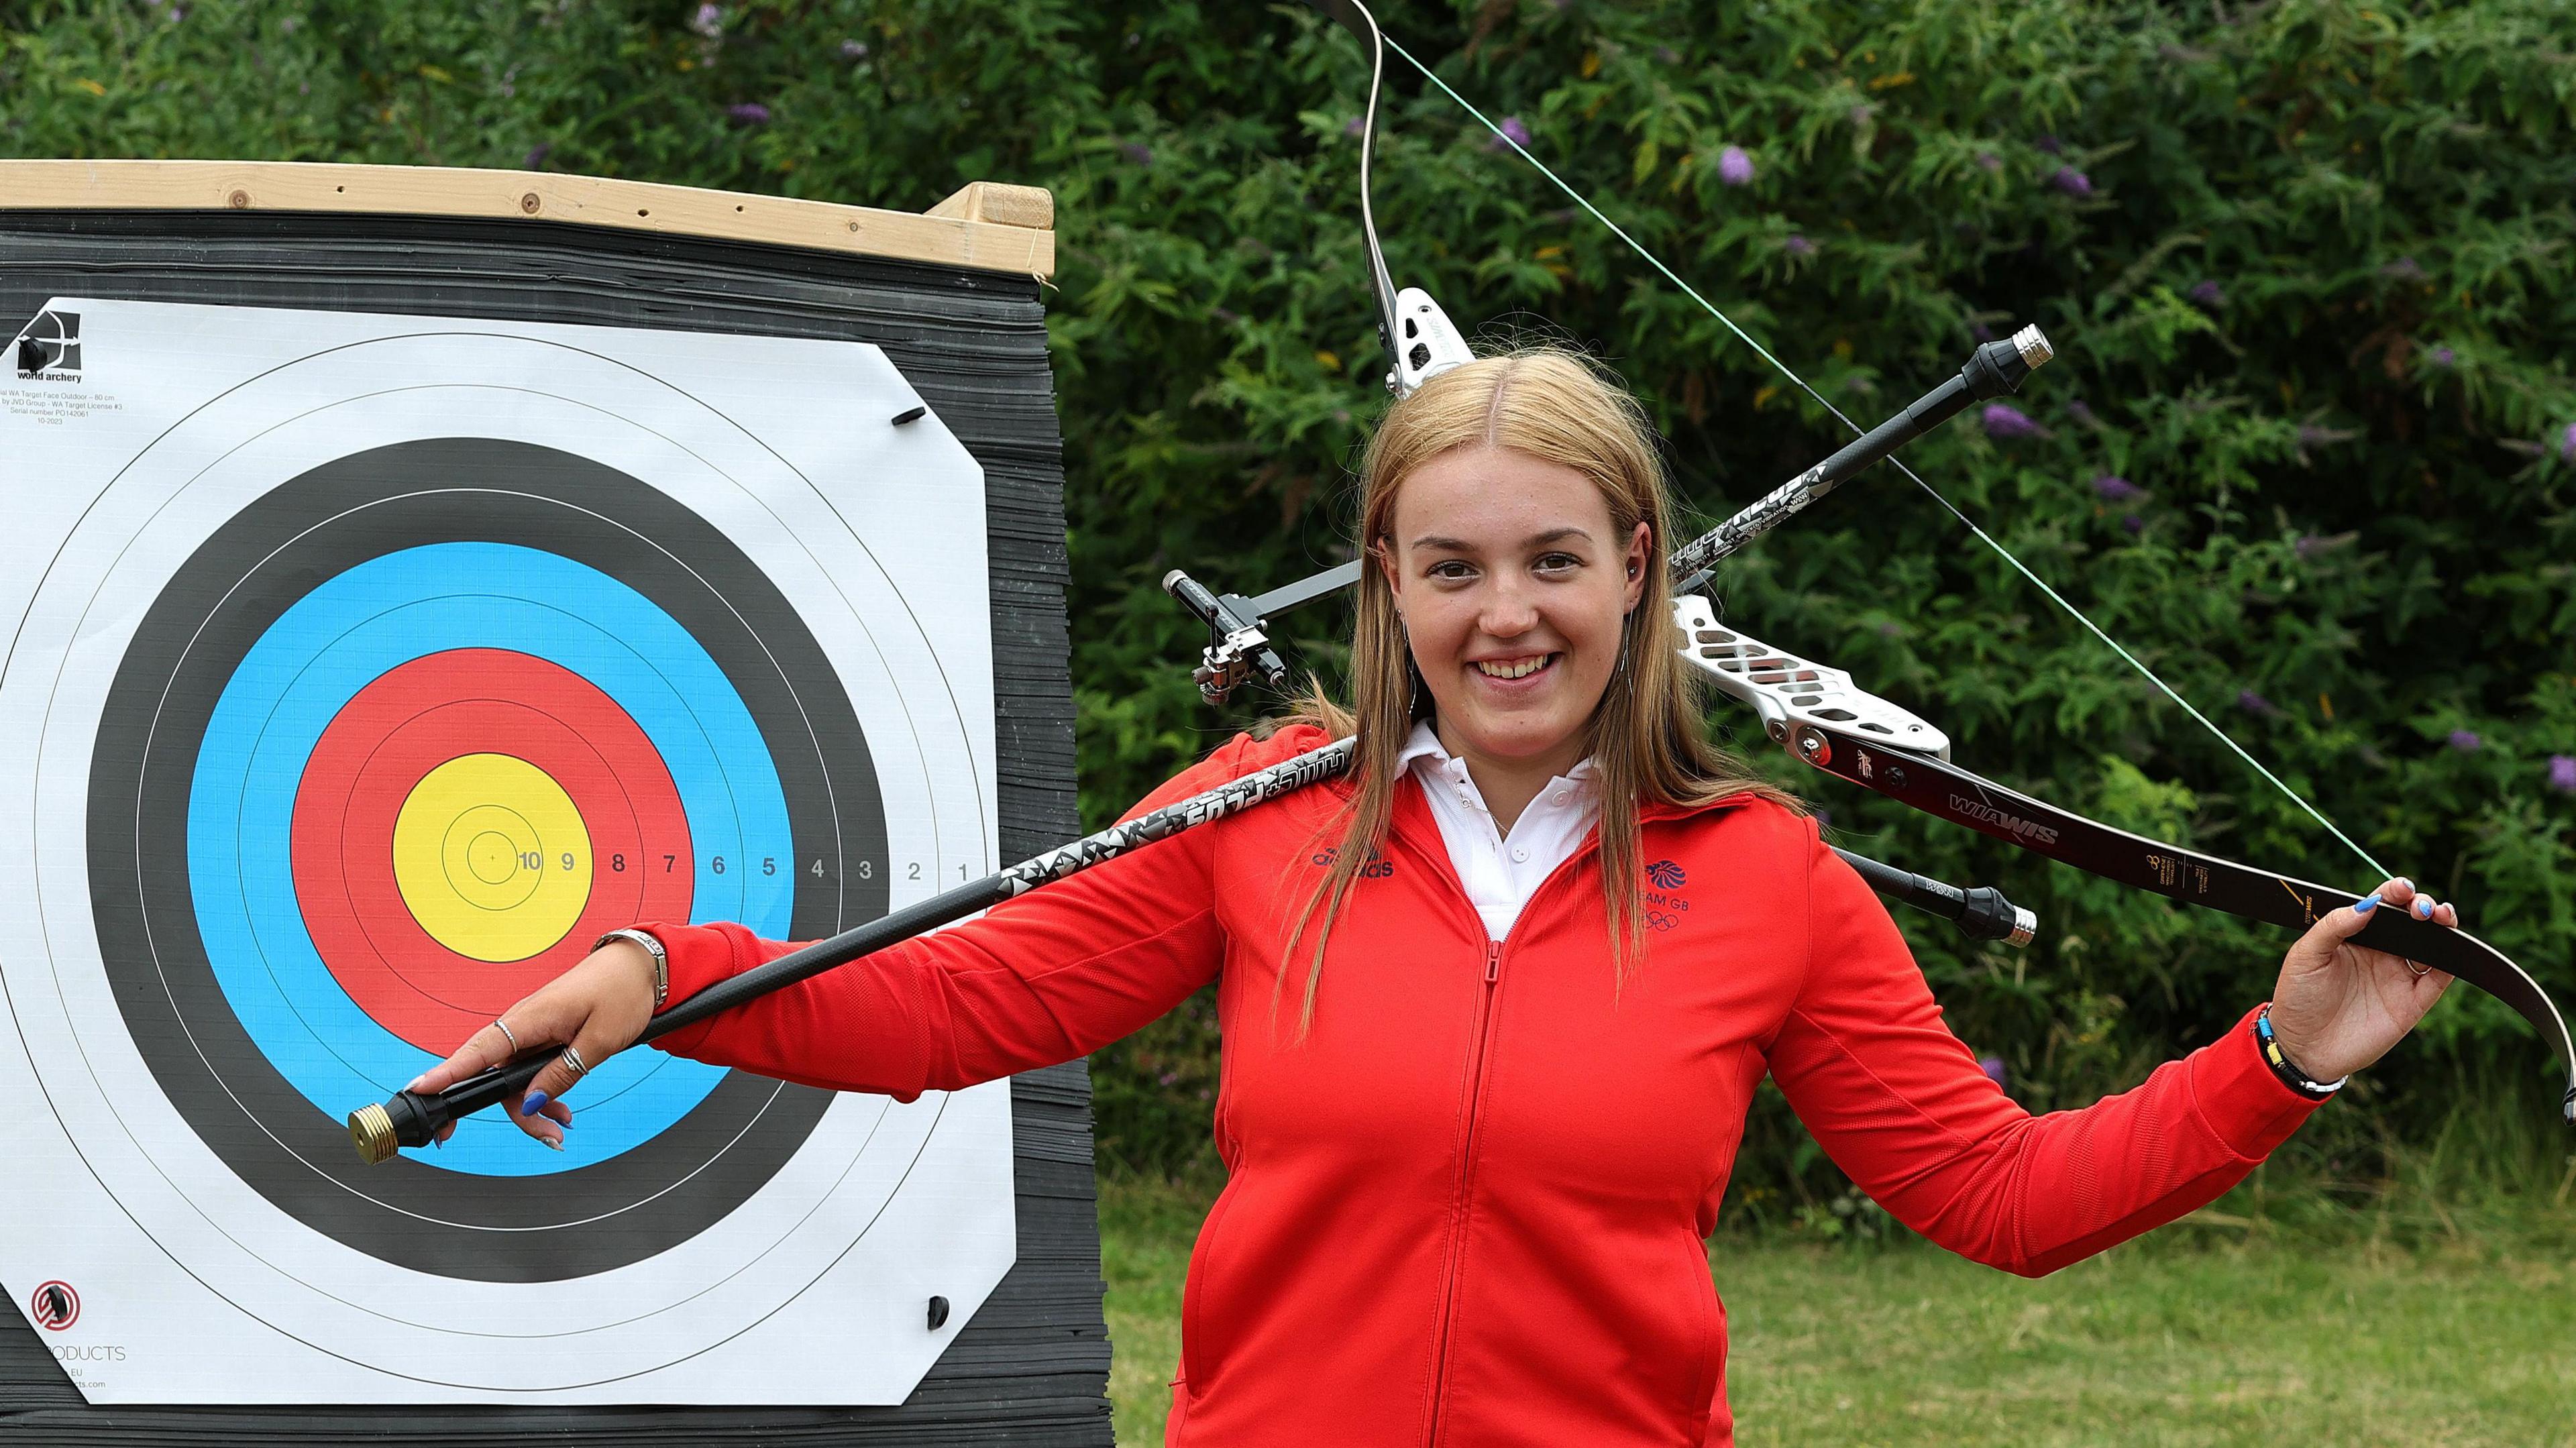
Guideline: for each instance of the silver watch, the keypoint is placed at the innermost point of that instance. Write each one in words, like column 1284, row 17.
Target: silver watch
column 653, row 948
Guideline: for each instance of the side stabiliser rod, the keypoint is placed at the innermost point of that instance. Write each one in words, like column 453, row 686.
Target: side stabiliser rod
column 411, row 1119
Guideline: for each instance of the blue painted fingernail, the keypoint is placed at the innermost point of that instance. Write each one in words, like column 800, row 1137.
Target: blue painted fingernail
column 438, row 1142
column 2365, row 905
column 566, row 1125
column 2424, row 908
column 532, row 1103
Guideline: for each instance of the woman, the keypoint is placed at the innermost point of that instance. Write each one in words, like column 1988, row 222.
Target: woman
column 1494, row 1005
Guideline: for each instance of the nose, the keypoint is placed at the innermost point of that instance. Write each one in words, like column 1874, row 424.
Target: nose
column 1507, row 610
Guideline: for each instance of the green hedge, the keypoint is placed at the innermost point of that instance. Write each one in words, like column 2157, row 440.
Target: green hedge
column 2308, row 447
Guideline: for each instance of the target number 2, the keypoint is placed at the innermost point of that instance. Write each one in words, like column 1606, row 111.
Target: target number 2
column 535, row 860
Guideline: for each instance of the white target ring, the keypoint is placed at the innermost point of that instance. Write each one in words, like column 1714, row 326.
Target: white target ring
column 337, row 435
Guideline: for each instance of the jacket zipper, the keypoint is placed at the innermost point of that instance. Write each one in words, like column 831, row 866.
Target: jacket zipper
column 1456, row 1256
column 1455, row 1260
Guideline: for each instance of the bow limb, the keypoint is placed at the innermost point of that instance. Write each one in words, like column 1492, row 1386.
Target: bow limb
column 1419, row 337
column 1946, row 791
column 1824, row 718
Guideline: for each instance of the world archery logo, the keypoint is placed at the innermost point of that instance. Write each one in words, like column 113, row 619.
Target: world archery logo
column 1667, row 875
column 49, row 350
column 55, row 1306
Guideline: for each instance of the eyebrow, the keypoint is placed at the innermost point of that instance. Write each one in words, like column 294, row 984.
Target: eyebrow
column 1535, row 540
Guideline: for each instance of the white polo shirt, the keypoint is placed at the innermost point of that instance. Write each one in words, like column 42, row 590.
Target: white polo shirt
column 1498, row 871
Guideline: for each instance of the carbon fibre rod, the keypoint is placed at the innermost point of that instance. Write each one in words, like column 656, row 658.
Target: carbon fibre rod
column 1981, row 913
column 411, row 1119
column 1240, row 626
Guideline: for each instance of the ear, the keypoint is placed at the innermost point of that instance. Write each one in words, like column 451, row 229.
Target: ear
column 1640, row 548
column 1394, row 578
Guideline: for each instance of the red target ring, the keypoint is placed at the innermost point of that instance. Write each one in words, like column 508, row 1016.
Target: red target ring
column 389, row 738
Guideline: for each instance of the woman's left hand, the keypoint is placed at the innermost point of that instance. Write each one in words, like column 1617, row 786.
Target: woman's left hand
column 2338, row 1006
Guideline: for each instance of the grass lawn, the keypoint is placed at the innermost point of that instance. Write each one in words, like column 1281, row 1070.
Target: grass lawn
column 2196, row 1336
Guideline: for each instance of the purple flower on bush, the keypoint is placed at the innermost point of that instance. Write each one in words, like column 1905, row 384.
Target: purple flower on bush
column 1993, row 1066
column 1980, row 333
column 2208, row 294
column 2562, row 773
column 709, row 21
column 1989, row 161
column 2004, row 421
column 1798, row 245
column 1513, row 134
column 2444, row 357
column 750, row 113
column 2112, row 488
column 2466, row 741
column 2133, row 523
column 2253, row 703
column 2072, row 181
column 1734, row 167
column 2567, row 443
column 537, row 155
column 854, row 50
column 2403, row 269
column 2048, row 143
column 1355, row 125
column 2081, row 413
column 1138, row 152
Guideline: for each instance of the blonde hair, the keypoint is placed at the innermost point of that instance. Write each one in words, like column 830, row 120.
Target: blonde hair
column 1648, row 736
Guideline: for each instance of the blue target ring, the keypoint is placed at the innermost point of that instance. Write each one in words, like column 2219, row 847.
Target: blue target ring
column 308, row 665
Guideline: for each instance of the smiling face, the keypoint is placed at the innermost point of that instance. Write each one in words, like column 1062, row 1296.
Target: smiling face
column 1513, row 582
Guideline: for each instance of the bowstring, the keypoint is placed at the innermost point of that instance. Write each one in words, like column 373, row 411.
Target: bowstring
column 1935, row 494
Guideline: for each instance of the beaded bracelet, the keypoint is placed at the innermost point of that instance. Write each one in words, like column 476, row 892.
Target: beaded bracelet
column 2289, row 1074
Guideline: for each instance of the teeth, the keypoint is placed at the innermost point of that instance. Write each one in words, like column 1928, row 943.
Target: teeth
column 1523, row 669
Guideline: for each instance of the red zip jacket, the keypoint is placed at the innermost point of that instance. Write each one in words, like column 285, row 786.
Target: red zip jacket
column 1470, row 1208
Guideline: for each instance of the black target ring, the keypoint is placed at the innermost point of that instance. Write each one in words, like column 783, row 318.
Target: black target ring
column 562, row 1225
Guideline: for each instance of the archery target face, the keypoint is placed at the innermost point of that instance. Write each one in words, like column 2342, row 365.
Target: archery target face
column 365, row 670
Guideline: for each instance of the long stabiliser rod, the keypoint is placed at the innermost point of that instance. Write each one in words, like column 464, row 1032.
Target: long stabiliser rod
column 411, row 1119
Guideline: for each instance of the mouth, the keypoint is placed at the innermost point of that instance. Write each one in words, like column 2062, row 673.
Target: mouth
column 1523, row 670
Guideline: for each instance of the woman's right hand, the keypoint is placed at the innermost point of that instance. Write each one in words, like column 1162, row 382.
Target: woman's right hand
column 598, row 1007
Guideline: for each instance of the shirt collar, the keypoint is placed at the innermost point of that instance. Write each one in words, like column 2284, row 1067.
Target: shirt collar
column 1424, row 743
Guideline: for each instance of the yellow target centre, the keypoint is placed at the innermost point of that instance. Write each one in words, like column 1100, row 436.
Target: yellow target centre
column 491, row 857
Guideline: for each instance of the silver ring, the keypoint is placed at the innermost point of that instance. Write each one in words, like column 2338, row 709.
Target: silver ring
column 507, row 1033
column 2421, row 970
column 572, row 1062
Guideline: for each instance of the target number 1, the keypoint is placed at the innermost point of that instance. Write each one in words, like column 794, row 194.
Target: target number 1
column 536, row 860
